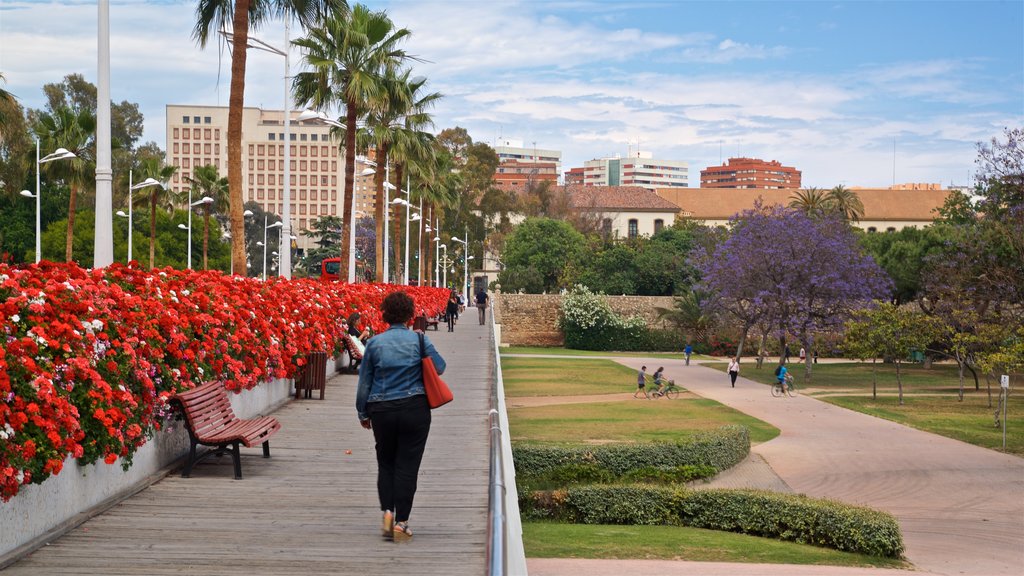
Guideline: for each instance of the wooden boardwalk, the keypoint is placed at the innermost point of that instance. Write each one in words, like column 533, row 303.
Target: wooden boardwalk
column 312, row 507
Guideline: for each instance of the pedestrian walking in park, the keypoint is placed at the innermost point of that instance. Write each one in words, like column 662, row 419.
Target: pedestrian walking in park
column 734, row 370
column 391, row 401
column 803, row 355
column 641, row 382
column 481, row 305
column 688, row 351
column 785, row 354
column 451, row 311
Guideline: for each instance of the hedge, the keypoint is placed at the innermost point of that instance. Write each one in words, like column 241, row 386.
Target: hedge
column 796, row 518
column 722, row 449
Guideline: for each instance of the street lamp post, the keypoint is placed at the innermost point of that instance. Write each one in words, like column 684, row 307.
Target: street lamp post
column 277, row 224
column 144, row 184
column 59, row 154
column 191, row 205
column 466, row 257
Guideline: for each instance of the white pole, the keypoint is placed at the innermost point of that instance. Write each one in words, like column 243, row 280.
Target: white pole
column 387, row 217
column 38, row 253
column 437, row 255
column 465, row 267
column 130, row 215
column 189, row 227
column 419, row 247
column 352, row 241
column 103, row 245
column 265, row 241
column 408, row 204
column 285, row 256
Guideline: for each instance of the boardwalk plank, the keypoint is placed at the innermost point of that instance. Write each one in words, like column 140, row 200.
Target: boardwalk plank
column 311, row 508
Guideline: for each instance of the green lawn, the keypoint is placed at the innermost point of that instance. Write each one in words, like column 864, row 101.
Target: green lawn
column 552, row 540
column 565, row 377
column 931, row 401
column 600, row 354
column 629, row 421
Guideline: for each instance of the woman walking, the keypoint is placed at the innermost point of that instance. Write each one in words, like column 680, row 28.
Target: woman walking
column 734, row 370
column 451, row 312
column 391, row 401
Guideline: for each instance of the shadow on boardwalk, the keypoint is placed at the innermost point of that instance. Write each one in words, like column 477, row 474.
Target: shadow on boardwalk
column 312, row 507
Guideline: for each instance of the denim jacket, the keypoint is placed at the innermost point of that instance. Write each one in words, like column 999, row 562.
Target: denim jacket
column 391, row 367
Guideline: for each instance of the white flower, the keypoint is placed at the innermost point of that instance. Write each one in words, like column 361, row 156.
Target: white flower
column 15, row 318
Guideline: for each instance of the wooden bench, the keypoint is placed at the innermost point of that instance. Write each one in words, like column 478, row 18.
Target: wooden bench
column 354, row 355
column 211, row 422
column 313, row 375
column 433, row 321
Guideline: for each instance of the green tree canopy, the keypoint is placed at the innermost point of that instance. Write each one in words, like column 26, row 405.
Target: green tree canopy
column 539, row 256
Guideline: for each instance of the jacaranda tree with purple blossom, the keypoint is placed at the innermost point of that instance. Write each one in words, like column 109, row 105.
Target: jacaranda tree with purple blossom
column 799, row 275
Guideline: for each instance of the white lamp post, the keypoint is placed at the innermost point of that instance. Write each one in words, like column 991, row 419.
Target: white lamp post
column 191, row 205
column 437, row 259
column 144, row 184
column 465, row 258
column 277, row 224
column 59, row 154
column 414, row 218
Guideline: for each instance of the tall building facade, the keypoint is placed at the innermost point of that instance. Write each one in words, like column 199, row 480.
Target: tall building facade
column 197, row 136
column 750, row 173
column 518, row 166
column 638, row 169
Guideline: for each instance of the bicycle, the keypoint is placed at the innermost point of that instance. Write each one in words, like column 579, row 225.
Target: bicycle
column 790, row 388
column 670, row 391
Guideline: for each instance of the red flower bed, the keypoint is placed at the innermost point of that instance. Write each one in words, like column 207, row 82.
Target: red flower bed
column 89, row 357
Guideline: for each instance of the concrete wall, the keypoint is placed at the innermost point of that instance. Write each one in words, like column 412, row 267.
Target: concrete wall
column 532, row 319
column 64, row 500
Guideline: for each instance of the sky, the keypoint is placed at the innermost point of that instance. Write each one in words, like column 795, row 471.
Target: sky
column 855, row 93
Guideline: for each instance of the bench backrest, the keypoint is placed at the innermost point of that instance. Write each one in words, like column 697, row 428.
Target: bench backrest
column 351, row 347
column 207, row 408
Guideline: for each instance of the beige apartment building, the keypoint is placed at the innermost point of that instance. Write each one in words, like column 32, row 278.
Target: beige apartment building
column 197, row 136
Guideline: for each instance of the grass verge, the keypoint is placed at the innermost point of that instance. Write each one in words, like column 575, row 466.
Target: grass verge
column 564, row 377
column 556, row 351
column 554, row 540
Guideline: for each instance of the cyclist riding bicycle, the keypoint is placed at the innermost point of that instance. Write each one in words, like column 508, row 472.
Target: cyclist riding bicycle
column 783, row 377
column 659, row 380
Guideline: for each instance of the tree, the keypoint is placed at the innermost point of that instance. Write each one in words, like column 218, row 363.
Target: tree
column 325, row 231
column 845, row 203
column 74, row 131
column 207, row 182
column 810, row 201
column 154, row 196
column 806, row 275
column 891, row 331
column 690, row 313
column 539, row 256
column 348, row 53
column 213, row 16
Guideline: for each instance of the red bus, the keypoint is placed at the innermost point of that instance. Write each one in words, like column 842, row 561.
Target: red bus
column 330, row 269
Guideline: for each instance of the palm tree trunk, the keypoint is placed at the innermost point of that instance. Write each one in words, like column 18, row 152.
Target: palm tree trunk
column 350, row 175
column 398, row 228
column 378, row 211
column 152, row 230
column 236, row 102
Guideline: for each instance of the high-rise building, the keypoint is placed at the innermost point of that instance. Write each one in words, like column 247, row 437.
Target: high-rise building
column 519, row 166
column 574, row 177
column 197, row 136
column 638, row 169
column 750, row 173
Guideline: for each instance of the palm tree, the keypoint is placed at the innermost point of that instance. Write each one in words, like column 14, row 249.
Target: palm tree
column 213, row 16
column 207, row 182
column 74, row 131
column 395, row 127
column 348, row 54
column 688, row 313
column 440, row 189
column 846, row 203
column 810, row 201
column 154, row 196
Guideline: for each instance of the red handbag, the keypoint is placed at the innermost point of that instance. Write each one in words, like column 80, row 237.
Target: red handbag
column 438, row 393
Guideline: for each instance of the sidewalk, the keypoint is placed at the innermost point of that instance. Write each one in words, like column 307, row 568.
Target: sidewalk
column 311, row 509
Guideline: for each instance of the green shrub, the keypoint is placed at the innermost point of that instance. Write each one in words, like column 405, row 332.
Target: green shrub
column 721, row 449
column 673, row 475
column 824, row 523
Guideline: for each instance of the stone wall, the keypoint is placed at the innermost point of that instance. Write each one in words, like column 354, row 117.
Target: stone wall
column 532, row 319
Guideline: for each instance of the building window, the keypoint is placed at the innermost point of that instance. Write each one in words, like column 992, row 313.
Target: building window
column 272, row 194
column 273, row 137
column 658, row 225
column 195, row 119
column 184, row 119
column 313, row 137
column 872, row 229
column 312, row 195
column 323, row 180
column 261, row 150
column 208, row 120
column 291, row 137
column 273, row 179
column 890, row 229
column 606, row 227
column 633, row 228
column 302, row 137
column 302, row 194
column 206, row 133
column 323, row 208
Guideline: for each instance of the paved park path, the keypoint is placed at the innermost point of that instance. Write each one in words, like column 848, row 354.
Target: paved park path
column 961, row 508
column 311, row 509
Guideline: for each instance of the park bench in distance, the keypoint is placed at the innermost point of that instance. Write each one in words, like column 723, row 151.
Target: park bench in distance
column 211, row 422
column 421, row 323
column 312, row 376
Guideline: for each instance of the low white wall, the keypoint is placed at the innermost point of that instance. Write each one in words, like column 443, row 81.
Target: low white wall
column 67, row 498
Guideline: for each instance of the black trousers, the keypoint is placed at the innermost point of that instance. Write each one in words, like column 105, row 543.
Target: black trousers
column 400, row 428
column 451, row 322
column 732, row 376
